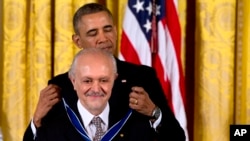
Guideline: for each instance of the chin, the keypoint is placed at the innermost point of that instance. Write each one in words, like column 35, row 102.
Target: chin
column 98, row 108
column 109, row 49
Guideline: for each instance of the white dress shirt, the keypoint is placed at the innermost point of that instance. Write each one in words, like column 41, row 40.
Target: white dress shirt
column 86, row 117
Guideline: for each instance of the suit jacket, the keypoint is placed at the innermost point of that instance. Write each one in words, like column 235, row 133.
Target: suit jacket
column 128, row 75
column 137, row 127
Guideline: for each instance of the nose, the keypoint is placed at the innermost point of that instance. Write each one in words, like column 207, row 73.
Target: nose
column 102, row 37
column 96, row 87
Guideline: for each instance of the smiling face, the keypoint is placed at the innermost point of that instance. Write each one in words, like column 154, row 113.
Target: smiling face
column 93, row 80
column 96, row 30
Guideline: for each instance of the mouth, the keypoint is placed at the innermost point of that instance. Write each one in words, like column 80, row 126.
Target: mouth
column 94, row 94
column 106, row 48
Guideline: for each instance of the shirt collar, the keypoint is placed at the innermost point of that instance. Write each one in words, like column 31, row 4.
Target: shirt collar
column 86, row 116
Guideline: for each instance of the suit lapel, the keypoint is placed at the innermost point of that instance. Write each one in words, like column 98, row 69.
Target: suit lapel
column 119, row 100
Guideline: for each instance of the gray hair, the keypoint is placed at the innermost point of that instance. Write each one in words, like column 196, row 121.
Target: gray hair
column 91, row 50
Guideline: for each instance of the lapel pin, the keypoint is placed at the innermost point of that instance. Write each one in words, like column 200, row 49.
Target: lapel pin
column 121, row 135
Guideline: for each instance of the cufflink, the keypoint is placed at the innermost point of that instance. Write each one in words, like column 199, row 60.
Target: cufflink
column 124, row 80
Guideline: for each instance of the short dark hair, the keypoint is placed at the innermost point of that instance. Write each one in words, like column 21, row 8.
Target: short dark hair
column 86, row 9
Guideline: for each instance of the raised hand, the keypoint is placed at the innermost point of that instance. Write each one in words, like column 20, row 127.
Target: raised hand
column 140, row 101
column 49, row 96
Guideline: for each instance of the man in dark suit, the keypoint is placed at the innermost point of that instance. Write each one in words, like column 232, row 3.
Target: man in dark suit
column 136, row 86
column 92, row 74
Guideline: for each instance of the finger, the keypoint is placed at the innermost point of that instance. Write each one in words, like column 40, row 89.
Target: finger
column 51, row 88
column 133, row 100
column 134, row 95
column 54, row 95
column 51, row 92
column 136, row 102
column 54, row 101
column 138, row 90
column 49, row 100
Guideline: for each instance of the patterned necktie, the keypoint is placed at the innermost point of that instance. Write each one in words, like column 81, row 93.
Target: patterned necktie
column 99, row 133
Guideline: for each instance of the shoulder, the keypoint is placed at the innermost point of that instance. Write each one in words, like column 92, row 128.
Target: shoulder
column 127, row 66
column 60, row 79
column 61, row 76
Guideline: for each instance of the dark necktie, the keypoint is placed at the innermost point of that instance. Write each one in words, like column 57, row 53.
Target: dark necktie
column 99, row 133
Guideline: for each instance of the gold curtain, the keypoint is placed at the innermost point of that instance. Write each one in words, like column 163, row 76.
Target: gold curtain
column 221, row 68
column 26, row 62
column 214, row 72
column 182, row 4
column 36, row 44
column 242, row 101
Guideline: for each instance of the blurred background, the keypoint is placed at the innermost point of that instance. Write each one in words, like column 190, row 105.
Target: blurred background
column 35, row 45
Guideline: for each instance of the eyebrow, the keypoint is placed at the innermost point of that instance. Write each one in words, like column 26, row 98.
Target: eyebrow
column 107, row 26
column 95, row 29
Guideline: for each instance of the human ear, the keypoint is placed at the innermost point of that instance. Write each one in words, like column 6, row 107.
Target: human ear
column 76, row 40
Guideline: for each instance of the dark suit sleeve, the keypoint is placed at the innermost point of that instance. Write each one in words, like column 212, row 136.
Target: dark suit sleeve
column 169, row 126
column 28, row 134
column 63, row 82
